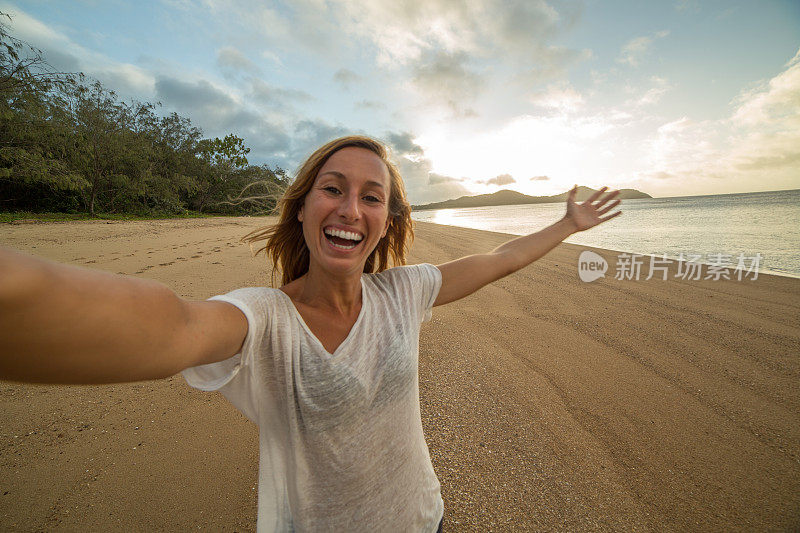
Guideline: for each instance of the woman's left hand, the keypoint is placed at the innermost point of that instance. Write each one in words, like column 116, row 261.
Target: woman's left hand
column 589, row 213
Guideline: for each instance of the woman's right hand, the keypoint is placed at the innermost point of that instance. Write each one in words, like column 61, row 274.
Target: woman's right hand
column 65, row 324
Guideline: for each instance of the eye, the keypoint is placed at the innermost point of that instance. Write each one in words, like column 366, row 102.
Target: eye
column 372, row 199
column 331, row 189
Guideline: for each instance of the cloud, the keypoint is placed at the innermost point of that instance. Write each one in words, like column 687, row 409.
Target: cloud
column 370, row 105
column 346, row 77
column 272, row 56
column 653, row 95
column 435, row 179
column 634, row 51
column 539, row 178
column 309, row 24
column 198, row 95
column 777, row 100
column 277, row 97
column 232, row 60
column 447, row 49
column 215, row 109
column 662, row 175
column 551, row 63
column 403, row 144
column 446, row 79
column 404, row 31
column 560, row 97
column 65, row 55
column 687, row 5
column 310, row 134
column 422, row 185
column 219, row 113
column 757, row 144
column 441, row 56
column 502, row 179
column 681, row 146
column 568, row 148
column 770, row 116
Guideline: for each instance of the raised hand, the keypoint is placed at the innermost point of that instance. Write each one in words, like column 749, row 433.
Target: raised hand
column 590, row 213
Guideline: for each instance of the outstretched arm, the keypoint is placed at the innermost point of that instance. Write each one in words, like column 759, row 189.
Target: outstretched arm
column 464, row 276
column 64, row 324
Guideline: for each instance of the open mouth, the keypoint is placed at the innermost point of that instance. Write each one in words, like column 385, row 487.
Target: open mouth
column 343, row 240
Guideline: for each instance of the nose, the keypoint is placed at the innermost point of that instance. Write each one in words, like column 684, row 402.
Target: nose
column 348, row 208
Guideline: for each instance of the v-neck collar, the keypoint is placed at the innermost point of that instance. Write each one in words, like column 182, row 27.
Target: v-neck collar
column 311, row 333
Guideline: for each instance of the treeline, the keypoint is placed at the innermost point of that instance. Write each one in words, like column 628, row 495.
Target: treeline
column 68, row 144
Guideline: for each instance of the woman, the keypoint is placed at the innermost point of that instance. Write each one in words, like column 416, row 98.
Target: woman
column 326, row 366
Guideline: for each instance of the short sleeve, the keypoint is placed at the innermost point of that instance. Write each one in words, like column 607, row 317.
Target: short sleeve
column 213, row 376
column 235, row 377
column 416, row 287
column 430, row 282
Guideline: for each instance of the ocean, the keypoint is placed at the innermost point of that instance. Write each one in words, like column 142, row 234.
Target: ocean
column 765, row 223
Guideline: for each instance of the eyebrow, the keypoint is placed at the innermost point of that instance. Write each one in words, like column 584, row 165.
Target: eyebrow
column 342, row 176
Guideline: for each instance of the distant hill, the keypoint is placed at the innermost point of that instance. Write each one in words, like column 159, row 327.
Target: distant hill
column 507, row 197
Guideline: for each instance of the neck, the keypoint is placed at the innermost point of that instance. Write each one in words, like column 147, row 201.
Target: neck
column 341, row 294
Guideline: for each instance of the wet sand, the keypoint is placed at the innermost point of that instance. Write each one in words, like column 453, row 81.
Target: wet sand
column 548, row 403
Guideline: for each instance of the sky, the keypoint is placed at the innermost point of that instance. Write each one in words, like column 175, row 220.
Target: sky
column 673, row 98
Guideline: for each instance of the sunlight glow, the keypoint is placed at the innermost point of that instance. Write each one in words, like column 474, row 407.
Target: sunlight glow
column 566, row 149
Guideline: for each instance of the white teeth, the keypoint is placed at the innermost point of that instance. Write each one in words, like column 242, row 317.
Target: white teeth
column 343, row 235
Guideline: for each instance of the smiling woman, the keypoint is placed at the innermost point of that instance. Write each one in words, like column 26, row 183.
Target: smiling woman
column 285, row 243
column 326, row 365
column 347, row 208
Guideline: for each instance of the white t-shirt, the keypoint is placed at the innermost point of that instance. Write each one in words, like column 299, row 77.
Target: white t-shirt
column 340, row 435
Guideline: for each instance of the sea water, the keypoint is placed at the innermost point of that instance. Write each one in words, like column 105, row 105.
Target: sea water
column 765, row 223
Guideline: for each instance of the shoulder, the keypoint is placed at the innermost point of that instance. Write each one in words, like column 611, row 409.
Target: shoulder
column 422, row 277
column 406, row 274
column 250, row 294
column 255, row 301
column 412, row 287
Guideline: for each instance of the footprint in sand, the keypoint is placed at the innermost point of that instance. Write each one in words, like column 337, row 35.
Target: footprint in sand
column 195, row 257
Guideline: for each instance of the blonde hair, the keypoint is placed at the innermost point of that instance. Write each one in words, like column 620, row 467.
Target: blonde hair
column 285, row 245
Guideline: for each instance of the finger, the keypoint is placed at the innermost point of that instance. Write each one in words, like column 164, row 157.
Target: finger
column 572, row 192
column 609, row 217
column 610, row 196
column 608, row 208
column 595, row 196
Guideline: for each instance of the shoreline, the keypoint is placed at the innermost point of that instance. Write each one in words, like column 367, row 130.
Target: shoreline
column 548, row 403
column 246, row 217
column 615, row 251
column 618, row 252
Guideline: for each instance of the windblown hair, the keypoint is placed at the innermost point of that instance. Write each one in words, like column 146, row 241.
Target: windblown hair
column 285, row 245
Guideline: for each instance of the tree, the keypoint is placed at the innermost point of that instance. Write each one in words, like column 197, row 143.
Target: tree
column 68, row 143
column 102, row 151
column 34, row 133
column 224, row 157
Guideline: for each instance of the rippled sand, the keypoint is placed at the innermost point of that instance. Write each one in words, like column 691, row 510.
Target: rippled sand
column 548, row 403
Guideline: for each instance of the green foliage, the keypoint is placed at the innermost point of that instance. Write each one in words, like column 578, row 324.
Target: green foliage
column 68, row 144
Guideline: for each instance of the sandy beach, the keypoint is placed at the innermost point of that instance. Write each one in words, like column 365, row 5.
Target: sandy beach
column 549, row 404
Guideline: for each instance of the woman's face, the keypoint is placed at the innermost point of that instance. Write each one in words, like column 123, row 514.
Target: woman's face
column 346, row 212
